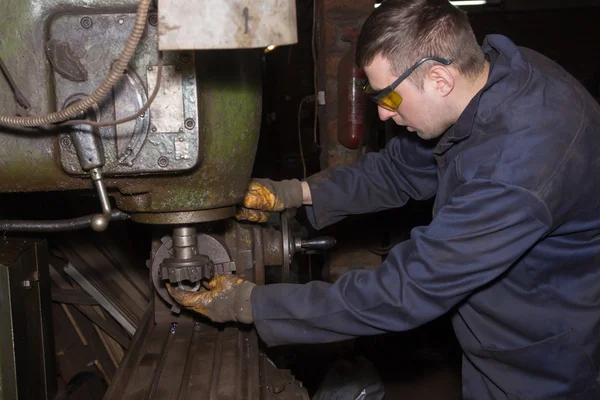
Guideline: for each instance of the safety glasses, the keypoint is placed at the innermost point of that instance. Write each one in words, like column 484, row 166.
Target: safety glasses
column 388, row 98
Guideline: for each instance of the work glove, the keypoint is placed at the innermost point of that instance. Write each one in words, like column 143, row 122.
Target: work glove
column 227, row 299
column 265, row 195
column 248, row 214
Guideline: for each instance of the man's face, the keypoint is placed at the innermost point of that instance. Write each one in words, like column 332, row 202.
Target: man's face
column 420, row 112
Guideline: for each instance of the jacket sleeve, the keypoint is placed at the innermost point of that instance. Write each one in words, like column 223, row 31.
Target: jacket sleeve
column 378, row 181
column 484, row 229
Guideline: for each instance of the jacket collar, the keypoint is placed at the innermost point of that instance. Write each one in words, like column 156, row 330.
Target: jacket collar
column 497, row 50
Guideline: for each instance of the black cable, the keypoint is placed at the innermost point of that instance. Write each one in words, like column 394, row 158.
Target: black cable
column 61, row 225
column 131, row 117
column 19, row 97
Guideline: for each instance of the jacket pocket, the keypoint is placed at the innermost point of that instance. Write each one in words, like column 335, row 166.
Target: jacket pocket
column 554, row 368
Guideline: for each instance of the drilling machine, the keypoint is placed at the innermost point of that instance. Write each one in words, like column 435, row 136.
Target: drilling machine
column 157, row 109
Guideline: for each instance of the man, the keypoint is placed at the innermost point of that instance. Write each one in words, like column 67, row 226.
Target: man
column 509, row 146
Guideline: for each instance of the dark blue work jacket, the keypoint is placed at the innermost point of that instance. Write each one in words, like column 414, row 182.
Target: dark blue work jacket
column 513, row 251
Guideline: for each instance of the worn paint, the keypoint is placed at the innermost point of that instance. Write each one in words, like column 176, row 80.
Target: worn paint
column 215, row 24
column 229, row 114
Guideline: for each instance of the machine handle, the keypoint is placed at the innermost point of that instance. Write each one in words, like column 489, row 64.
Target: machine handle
column 319, row 243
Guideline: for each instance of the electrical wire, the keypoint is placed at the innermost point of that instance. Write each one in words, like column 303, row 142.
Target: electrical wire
column 315, row 79
column 131, row 117
column 304, row 100
column 19, row 97
column 101, row 91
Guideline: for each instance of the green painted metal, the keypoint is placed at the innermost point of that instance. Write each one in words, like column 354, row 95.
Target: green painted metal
column 230, row 111
column 229, row 107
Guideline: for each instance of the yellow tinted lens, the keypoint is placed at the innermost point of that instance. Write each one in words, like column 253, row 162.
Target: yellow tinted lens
column 391, row 101
column 368, row 89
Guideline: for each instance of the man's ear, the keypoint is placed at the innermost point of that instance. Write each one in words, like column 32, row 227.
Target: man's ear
column 441, row 80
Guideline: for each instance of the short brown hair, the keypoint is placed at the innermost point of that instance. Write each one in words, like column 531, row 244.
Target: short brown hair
column 404, row 31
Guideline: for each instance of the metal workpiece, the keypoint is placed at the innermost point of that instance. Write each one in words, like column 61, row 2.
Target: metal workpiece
column 193, row 270
column 163, row 265
column 184, row 242
column 186, row 264
column 244, row 248
column 199, row 158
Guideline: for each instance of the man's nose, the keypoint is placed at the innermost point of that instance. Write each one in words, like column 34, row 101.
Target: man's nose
column 384, row 113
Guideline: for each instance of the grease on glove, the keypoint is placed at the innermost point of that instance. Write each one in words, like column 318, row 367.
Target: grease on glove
column 228, row 299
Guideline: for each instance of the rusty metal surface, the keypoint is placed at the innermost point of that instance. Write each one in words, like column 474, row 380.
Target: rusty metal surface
column 334, row 16
column 229, row 115
column 277, row 384
column 156, row 142
column 216, row 24
column 184, row 217
column 195, row 360
column 65, row 62
column 253, row 247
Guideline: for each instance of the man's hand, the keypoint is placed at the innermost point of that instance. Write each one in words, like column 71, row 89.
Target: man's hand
column 264, row 196
column 268, row 195
column 248, row 214
column 228, row 299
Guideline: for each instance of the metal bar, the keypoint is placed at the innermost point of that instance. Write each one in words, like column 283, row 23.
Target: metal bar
column 140, row 383
column 8, row 372
column 61, row 225
column 72, row 296
column 100, row 298
column 227, row 365
column 122, row 379
column 203, row 352
column 101, row 189
column 216, row 368
column 174, row 363
column 160, row 369
column 107, row 326
column 184, row 242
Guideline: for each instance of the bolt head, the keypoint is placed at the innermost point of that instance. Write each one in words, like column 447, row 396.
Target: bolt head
column 86, row 22
column 185, row 57
column 65, row 142
column 189, row 123
column 163, row 162
column 153, row 19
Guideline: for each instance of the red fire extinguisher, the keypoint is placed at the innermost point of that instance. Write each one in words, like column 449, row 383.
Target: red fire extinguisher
column 351, row 99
